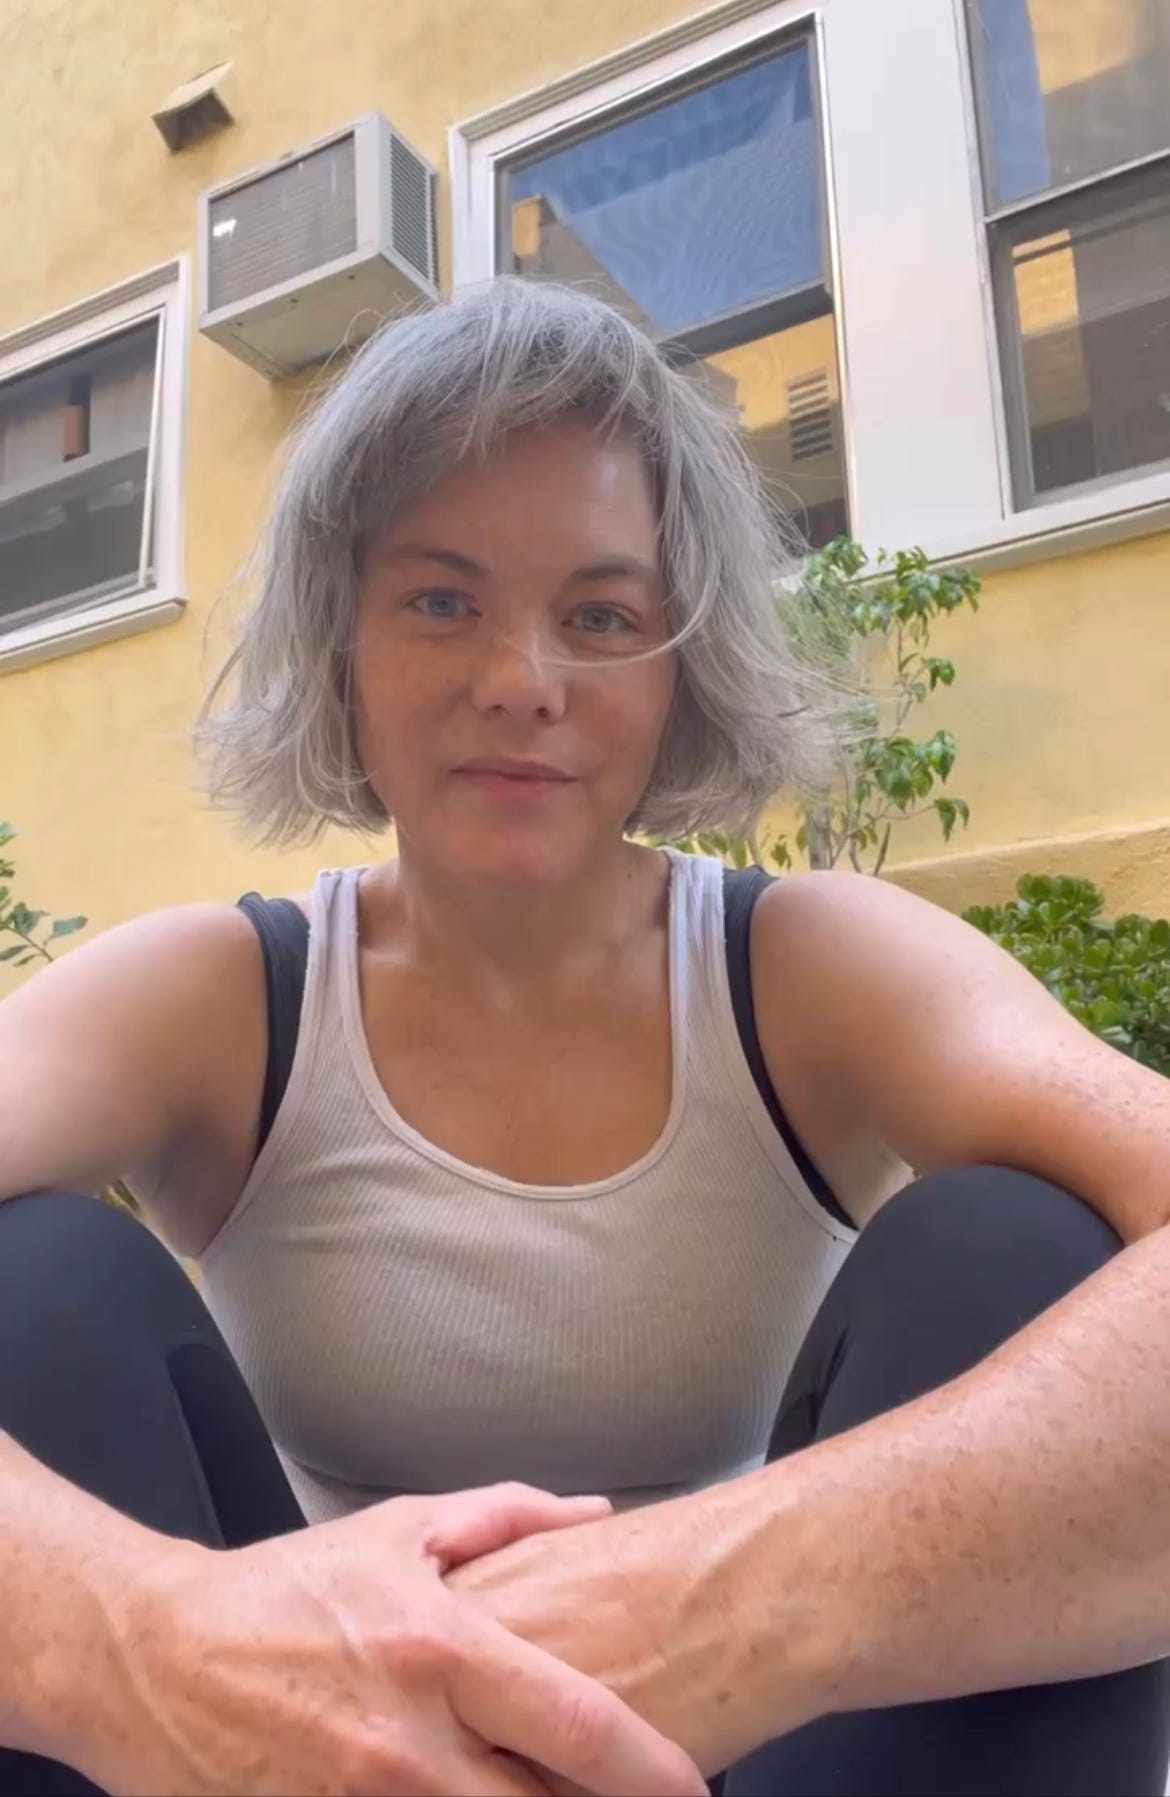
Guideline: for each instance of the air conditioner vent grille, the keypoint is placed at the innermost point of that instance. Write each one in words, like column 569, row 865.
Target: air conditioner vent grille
column 413, row 218
column 287, row 222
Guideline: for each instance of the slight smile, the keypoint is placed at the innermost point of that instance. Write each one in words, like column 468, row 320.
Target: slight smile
column 515, row 779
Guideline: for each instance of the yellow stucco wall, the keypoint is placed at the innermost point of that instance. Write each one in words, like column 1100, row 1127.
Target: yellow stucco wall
column 1060, row 710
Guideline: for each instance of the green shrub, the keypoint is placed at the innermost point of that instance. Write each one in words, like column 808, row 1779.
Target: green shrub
column 32, row 931
column 1113, row 976
column 867, row 621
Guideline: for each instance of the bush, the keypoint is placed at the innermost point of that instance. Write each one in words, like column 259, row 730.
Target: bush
column 1113, row 977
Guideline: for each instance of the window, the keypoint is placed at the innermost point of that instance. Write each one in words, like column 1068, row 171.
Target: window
column 1075, row 140
column 90, row 407
column 930, row 266
column 700, row 213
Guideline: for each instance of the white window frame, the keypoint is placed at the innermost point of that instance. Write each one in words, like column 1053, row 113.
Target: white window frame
column 925, row 438
column 160, row 293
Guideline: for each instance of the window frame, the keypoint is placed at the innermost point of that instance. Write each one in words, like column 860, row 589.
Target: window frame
column 745, row 324
column 936, row 471
column 1000, row 219
column 160, row 293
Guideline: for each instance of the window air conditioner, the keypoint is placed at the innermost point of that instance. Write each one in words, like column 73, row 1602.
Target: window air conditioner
column 312, row 251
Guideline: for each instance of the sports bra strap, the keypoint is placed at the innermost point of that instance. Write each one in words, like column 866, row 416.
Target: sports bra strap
column 283, row 930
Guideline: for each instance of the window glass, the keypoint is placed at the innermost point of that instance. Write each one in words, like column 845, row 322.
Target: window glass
column 784, row 390
column 701, row 216
column 1069, row 88
column 74, row 446
column 1091, row 301
column 699, row 206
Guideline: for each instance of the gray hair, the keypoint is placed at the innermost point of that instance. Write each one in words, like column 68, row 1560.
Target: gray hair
column 749, row 717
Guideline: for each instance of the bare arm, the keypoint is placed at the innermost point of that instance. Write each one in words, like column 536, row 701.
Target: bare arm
column 1010, row 1528
column 62, row 1558
column 140, row 1055
column 329, row 1659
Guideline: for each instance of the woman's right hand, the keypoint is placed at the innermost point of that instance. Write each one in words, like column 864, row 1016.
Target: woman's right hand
column 335, row 1661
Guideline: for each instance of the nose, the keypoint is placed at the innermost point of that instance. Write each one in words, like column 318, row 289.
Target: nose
column 521, row 676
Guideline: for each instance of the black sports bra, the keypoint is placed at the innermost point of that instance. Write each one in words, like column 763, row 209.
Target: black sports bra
column 283, row 930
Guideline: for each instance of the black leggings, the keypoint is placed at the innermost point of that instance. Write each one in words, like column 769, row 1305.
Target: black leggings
column 113, row 1374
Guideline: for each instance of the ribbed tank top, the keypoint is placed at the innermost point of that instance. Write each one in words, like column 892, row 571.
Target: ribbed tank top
column 408, row 1322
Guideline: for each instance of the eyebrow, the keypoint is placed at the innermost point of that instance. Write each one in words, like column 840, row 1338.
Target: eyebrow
column 614, row 567
column 428, row 552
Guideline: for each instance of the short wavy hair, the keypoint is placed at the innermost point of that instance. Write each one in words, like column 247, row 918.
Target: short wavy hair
column 750, row 716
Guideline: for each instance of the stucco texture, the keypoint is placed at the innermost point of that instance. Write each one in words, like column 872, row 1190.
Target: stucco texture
column 1060, row 708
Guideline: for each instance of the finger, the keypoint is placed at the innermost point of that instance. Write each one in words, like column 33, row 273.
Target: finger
column 530, row 1704
column 491, row 1775
column 470, row 1523
column 506, row 1776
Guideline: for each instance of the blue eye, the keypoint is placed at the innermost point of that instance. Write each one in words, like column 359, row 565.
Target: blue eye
column 601, row 620
column 440, row 605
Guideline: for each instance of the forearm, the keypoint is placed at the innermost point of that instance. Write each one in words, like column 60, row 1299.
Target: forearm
column 1009, row 1528
column 66, row 1561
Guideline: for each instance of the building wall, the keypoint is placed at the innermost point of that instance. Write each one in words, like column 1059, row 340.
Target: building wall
column 1059, row 710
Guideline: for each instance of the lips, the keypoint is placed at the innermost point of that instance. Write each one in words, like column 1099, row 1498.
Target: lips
column 536, row 771
column 515, row 780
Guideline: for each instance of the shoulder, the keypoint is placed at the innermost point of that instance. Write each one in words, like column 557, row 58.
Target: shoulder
column 139, row 1054
column 849, row 971
column 834, row 924
column 176, row 981
column 821, row 894
column 183, row 944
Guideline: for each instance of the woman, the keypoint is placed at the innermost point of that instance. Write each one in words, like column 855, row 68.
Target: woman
column 557, row 1189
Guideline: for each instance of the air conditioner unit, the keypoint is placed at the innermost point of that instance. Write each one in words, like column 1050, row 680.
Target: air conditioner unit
column 311, row 252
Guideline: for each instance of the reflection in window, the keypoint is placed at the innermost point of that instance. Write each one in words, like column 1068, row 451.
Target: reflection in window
column 1093, row 307
column 701, row 217
column 1070, row 88
column 785, row 392
column 74, row 447
column 1071, row 93
column 701, row 206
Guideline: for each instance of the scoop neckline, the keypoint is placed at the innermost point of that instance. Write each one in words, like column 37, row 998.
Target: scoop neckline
column 383, row 1105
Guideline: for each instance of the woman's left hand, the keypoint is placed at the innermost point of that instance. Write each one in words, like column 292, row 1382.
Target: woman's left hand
column 635, row 1601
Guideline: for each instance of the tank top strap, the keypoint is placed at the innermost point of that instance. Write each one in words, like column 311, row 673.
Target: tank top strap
column 697, row 920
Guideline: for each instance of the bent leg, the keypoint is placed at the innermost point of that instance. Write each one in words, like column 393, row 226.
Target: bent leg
column 113, row 1374
column 947, row 1272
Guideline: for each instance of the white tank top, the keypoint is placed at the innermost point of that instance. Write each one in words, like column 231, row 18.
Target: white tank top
column 408, row 1322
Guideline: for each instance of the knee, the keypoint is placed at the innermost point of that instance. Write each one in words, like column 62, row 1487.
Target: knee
column 981, row 1241
column 68, row 1261
column 949, row 1270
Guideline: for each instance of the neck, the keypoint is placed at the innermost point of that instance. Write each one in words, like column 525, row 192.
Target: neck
column 476, row 931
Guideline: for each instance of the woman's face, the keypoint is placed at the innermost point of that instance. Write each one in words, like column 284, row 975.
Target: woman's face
column 501, row 718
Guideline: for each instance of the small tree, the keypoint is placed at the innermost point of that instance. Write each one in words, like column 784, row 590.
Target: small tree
column 870, row 626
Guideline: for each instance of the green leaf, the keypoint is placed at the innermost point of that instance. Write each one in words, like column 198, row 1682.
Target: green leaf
column 22, row 919
column 67, row 926
column 947, row 814
column 10, row 954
